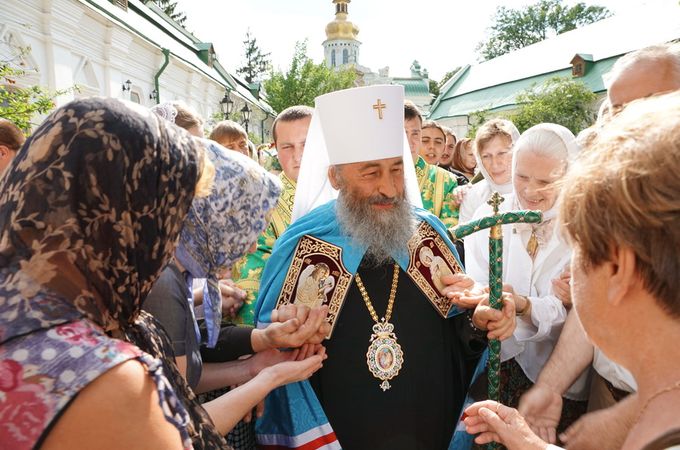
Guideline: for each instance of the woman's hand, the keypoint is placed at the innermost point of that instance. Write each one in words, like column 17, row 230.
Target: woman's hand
column 500, row 324
column 561, row 287
column 296, row 369
column 495, row 422
column 232, row 297
column 459, row 194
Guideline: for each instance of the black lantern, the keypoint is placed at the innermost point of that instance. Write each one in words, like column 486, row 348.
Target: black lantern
column 245, row 111
column 127, row 85
column 226, row 104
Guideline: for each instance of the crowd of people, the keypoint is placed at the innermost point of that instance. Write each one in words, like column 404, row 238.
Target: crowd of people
column 160, row 289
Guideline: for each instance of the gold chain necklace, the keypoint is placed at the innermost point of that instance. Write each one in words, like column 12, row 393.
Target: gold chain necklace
column 672, row 387
column 384, row 356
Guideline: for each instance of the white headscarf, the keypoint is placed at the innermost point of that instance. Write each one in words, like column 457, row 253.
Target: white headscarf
column 531, row 138
column 505, row 188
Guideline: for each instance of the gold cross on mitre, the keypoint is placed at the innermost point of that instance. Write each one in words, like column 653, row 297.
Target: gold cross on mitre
column 495, row 201
column 379, row 107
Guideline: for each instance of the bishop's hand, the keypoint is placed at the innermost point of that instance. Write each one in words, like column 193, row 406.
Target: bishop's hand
column 306, row 325
column 462, row 290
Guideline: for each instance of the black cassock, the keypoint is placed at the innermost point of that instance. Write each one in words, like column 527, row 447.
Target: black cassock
column 421, row 408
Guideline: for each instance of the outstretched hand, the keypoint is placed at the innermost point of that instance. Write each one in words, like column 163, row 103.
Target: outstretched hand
column 302, row 364
column 462, row 291
column 495, row 422
column 541, row 407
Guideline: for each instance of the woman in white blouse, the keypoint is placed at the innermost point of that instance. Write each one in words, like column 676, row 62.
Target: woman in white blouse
column 533, row 256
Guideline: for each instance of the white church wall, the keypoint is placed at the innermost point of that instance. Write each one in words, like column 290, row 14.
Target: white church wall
column 72, row 43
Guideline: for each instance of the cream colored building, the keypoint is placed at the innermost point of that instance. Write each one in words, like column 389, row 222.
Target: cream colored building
column 125, row 49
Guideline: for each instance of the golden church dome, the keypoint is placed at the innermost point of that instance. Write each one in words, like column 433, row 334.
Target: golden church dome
column 341, row 28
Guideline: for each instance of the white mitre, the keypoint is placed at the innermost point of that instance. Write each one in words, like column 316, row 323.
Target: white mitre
column 349, row 126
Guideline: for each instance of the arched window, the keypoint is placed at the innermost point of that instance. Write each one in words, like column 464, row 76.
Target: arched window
column 333, row 64
column 345, row 56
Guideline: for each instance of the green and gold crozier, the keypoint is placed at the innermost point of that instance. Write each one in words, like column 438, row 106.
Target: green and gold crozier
column 495, row 222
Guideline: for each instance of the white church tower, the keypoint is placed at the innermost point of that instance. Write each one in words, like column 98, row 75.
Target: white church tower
column 341, row 45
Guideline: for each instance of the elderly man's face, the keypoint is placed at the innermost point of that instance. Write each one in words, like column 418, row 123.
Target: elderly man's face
column 380, row 182
column 639, row 81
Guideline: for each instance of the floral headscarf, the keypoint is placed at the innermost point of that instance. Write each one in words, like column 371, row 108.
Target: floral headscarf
column 90, row 210
column 221, row 227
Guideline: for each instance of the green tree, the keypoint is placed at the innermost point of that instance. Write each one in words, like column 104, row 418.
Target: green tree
column 560, row 100
column 513, row 29
column 304, row 81
column 21, row 104
column 475, row 120
column 256, row 62
column 170, row 8
column 434, row 88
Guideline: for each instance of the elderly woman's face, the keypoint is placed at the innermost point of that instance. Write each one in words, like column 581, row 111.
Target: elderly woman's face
column 534, row 180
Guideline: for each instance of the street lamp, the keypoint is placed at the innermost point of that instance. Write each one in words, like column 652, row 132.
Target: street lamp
column 226, row 104
column 246, row 116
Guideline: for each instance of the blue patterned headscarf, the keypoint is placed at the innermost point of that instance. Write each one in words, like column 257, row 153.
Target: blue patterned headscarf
column 221, row 227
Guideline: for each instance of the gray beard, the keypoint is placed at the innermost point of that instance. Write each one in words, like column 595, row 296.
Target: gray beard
column 383, row 233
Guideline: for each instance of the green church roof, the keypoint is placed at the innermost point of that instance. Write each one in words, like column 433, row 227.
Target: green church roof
column 495, row 84
column 413, row 86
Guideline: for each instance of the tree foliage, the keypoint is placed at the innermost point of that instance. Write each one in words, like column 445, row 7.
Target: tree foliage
column 447, row 76
column 475, row 120
column 434, row 88
column 170, row 8
column 256, row 63
column 560, row 100
column 20, row 104
column 513, row 29
column 304, row 81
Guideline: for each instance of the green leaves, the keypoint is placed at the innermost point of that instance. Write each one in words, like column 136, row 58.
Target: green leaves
column 21, row 104
column 304, row 81
column 559, row 100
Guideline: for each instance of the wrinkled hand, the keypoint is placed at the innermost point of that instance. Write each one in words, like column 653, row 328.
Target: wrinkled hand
column 599, row 430
column 461, row 290
column 541, row 407
column 297, row 369
column 301, row 325
column 561, row 287
column 495, row 422
column 232, row 297
column 459, row 194
column 500, row 324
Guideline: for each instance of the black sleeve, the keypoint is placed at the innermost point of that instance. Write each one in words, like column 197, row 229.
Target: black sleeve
column 473, row 340
column 232, row 343
column 167, row 303
column 472, row 343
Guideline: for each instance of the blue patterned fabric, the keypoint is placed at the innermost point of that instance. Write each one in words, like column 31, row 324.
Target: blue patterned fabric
column 222, row 226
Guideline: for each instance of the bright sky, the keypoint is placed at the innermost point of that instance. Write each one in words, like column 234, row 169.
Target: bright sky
column 440, row 34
